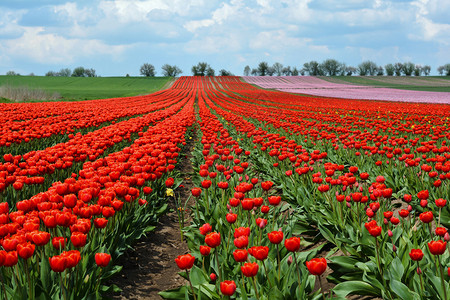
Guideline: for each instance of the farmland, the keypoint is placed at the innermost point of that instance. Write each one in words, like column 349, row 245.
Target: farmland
column 83, row 88
column 290, row 196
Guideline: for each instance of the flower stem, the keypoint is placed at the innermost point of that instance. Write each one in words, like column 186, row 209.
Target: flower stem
column 256, row 290
column 442, row 278
column 192, row 288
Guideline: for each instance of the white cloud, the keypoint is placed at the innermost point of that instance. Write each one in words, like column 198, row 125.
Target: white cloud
column 50, row 48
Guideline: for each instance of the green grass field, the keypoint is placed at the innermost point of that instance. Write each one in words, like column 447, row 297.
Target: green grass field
column 421, row 83
column 84, row 88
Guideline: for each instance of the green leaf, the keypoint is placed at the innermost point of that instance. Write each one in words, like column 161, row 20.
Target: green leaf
column 197, row 276
column 177, row 294
column 402, row 290
column 354, row 287
column 397, row 269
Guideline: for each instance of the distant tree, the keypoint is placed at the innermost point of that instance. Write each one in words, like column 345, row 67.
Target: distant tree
column 210, row 71
column 78, row 72
column 224, row 72
column 247, row 70
column 31, row 74
column 277, row 68
column 417, row 70
column 263, row 68
column 367, row 68
column 408, row 68
column 389, row 69
column 51, row 73
column 12, row 73
column 312, row 68
column 287, row 71
column 65, row 72
column 270, row 71
column 171, row 71
column 147, row 70
column 90, row 73
column 254, row 72
column 128, row 75
column 426, row 70
column 200, row 69
column 445, row 69
column 349, row 71
column 302, row 72
column 380, row 71
column 294, row 71
column 331, row 67
column 398, row 67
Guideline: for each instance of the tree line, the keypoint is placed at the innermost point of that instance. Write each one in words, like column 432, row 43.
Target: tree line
column 329, row 67
column 332, row 67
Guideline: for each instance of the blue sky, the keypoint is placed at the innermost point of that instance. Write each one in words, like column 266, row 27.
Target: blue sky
column 115, row 37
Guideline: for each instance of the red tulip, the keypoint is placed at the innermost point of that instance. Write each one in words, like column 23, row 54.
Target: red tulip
column 196, row 192
column 416, row 254
column 58, row 263
column 231, row 218
column 437, row 247
column 440, row 202
column 212, row 239
column 228, row 287
column 250, row 269
column 58, row 242
column 100, row 222
column 26, row 250
column 11, row 259
column 241, row 242
column 78, row 239
column 259, row 252
column 241, row 231
column 185, row 261
column 240, row 255
column 102, row 259
column 292, row 244
column 317, row 266
column 41, row 238
column 205, row 229
column 275, row 237
column 426, row 217
column 205, row 250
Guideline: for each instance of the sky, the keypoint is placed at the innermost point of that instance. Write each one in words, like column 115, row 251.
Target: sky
column 115, row 37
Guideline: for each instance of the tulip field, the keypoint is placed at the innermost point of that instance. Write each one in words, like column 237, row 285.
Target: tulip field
column 294, row 197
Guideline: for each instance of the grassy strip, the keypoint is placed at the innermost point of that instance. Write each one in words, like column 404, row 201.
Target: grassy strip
column 84, row 88
column 433, row 83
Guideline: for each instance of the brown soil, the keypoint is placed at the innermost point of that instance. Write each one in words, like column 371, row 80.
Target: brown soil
column 150, row 268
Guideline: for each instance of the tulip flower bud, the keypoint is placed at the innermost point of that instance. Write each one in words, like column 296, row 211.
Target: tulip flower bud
column 213, row 277
column 419, row 270
column 361, row 188
column 228, row 206
column 423, row 203
column 410, row 208
column 348, row 204
column 447, row 237
column 394, row 248
column 289, row 260
column 385, row 221
column 390, row 233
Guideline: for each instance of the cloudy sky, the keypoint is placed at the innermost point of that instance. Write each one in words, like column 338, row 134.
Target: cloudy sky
column 115, row 37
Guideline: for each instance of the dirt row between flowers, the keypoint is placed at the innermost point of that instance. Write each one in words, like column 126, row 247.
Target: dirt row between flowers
column 150, row 267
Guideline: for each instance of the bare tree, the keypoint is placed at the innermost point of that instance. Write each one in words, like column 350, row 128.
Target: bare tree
column 367, row 68
column 389, row 69
column 331, row 67
column 312, row 68
column 224, row 72
column 278, row 68
column 171, row 71
column 408, row 68
column 148, row 70
column 426, row 70
column 398, row 67
column 247, row 70
column 287, row 71
column 263, row 68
